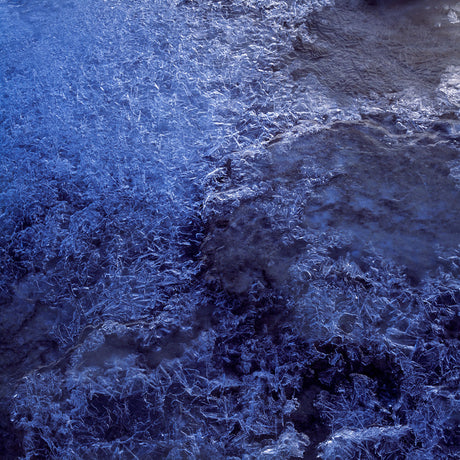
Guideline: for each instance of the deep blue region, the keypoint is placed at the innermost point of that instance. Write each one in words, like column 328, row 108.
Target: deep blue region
column 229, row 229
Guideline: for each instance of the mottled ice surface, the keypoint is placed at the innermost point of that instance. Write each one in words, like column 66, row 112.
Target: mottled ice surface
column 229, row 229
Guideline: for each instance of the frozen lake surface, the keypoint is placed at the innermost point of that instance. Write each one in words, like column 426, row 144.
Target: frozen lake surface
column 229, row 229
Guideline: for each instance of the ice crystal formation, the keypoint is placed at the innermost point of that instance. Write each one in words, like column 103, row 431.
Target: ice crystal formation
column 229, row 229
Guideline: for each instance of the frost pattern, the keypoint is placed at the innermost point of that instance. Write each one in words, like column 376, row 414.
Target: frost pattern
column 229, row 229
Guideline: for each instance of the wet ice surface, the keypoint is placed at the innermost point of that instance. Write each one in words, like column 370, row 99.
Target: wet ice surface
column 230, row 229
column 392, row 196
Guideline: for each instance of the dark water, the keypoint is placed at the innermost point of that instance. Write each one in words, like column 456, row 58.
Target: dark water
column 230, row 229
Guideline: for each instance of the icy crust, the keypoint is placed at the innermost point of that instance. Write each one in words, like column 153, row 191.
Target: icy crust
column 304, row 218
column 112, row 114
column 183, row 278
column 249, row 387
column 344, row 226
column 307, row 227
column 99, row 163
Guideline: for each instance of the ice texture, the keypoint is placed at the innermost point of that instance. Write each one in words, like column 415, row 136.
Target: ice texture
column 229, row 229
